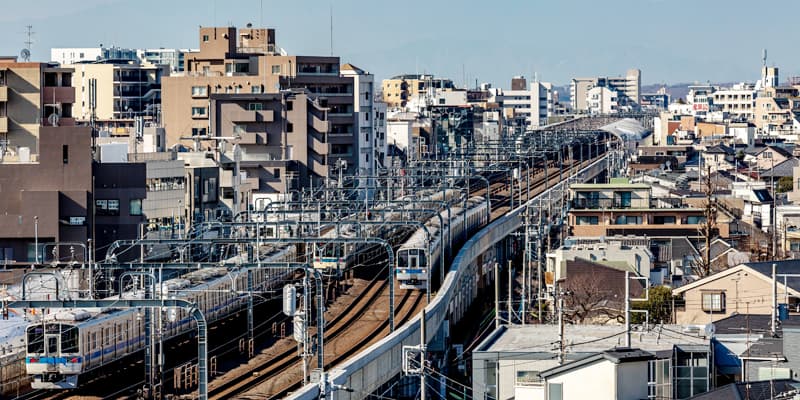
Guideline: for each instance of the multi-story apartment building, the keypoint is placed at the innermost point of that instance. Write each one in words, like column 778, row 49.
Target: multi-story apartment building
column 777, row 111
column 32, row 95
column 737, row 101
column 628, row 87
column 523, row 106
column 283, row 139
column 624, row 208
column 602, row 100
column 369, row 121
column 399, row 90
column 123, row 90
column 247, row 61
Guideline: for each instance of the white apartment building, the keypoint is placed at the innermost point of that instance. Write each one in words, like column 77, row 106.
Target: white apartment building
column 366, row 123
column 700, row 99
column 161, row 56
column 737, row 101
column 527, row 107
column 602, row 100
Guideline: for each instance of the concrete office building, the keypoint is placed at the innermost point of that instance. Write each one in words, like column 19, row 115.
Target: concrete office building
column 628, row 87
column 32, row 95
column 369, row 121
column 247, row 61
column 525, row 106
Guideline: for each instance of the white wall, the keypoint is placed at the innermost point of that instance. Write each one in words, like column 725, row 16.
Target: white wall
column 399, row 133
column 596, row 382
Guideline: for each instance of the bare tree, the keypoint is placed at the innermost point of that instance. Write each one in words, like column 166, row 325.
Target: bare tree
column 591, row 299
column 708, row 228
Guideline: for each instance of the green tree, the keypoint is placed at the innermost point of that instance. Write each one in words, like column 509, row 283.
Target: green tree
column 659, row 306
column 784, row 184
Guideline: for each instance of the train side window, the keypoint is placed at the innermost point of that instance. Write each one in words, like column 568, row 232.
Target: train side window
column 94, row 340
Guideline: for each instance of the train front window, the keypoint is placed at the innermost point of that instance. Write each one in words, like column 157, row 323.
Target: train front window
column 69, row 339
column 402, row 259
column 35, row 339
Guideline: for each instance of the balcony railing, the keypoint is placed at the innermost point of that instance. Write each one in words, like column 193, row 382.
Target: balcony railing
column 623, row 203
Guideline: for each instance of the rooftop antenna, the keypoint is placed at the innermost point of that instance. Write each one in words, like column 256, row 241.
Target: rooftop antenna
column 764, row 57
column 25, row 54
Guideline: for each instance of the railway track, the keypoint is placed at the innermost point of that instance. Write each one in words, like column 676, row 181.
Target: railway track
column 262, row 374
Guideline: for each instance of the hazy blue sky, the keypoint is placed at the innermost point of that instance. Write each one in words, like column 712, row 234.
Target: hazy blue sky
column 669, row 40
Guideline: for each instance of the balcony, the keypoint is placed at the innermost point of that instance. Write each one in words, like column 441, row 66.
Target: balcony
column 3, row 124
column 58, row 94
column 318, row 124
column 253, row 138
column 3, row 93
column 319, row 146
column 244, row 115
column 623, row 203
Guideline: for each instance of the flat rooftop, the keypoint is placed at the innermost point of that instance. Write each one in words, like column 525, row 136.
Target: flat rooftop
column 588, row 338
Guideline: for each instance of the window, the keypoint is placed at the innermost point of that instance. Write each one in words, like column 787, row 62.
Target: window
column 628, row 220
column 65, row 153
column 276, row 69
column 136, row 207
column 289, row 105
column 69, row 339
column 198, row 131
column 255, row 106
column 205, row 38
column 106, row 207
column 528, row 378
column 714, row 301
column 663, row 219
column 276, row 173
column 695, row 219
column 441, row 101
column 289, row 127
column 198, row 112
column 199, row 91
column 256, row 89
column 659, row 379
column 555, row 391
column 586, row 220
column 35, row 339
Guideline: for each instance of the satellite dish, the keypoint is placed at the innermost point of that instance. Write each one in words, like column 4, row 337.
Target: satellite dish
column 25, row 55
column 53, row 119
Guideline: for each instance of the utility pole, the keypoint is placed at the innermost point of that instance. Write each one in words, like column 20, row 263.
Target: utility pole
column 561, row 345
column 627, row 309
column 422, row 340
column 496, row 296
column 510, row 292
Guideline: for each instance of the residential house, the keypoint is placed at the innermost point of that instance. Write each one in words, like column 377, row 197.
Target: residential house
column 521, row 361
column 745, row 288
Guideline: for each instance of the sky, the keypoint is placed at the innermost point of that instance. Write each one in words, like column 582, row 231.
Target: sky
column 671, row 41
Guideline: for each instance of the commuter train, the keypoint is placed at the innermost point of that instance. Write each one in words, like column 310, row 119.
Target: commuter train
column 420, row 255
column 67, row 344
column 331, row 257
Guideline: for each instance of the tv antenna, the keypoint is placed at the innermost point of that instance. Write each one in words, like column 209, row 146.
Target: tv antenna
column 25, row 54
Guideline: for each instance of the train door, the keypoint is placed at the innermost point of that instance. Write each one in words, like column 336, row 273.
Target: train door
column 52, row 341
column 414, row 259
